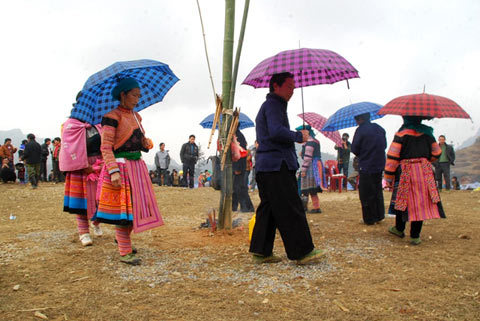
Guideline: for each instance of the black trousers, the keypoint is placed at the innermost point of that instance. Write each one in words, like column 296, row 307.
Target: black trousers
column 280, row 207
column 189, row 169
column 415, row 227
column 442, row 168
column 343, row 168
column 240, row 194
column 371, row 197
column 43, row 171
column 57, row 174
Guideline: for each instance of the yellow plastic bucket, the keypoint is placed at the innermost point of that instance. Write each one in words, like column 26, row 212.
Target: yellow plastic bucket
column 251, row 225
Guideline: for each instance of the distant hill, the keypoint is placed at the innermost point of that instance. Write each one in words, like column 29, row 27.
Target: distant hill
column 467, row 163
column 470, row 141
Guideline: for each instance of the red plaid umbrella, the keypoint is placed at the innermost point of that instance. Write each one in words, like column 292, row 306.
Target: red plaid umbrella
column 318, row 121
column 424, row 105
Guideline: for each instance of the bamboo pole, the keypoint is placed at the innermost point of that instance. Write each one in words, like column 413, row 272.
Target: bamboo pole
column 218, row 112
column 238, row 54
column 225, row 210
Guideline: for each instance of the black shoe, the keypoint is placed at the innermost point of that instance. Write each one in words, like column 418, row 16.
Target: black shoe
column 315, row 211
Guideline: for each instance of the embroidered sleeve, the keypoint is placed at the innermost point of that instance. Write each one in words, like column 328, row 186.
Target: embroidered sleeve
column 393, row 158
column 108, row 137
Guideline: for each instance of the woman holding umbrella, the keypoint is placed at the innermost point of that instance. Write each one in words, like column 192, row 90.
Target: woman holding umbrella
column 408, row 169
column 126, row 196
column 312, row 178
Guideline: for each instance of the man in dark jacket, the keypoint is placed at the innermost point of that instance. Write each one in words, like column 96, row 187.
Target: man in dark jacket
column 276, row 163
column 189, row 157
column 43, row 164
column 240, row 184
column 343, row 157
column 369, row 143
column 442, row 166
column 33, row 157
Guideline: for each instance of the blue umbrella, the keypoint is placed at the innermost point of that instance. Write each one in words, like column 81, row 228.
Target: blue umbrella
column 345, row 116
column 243, row 121
column 155, row 79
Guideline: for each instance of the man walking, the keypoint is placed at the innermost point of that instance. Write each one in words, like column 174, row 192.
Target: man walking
column 369, row 143
column 162, row 161
column 43, row 164
column 189, row 157
column 276, row 163
column 442, row 166
column 33, row 157
column 343, row 157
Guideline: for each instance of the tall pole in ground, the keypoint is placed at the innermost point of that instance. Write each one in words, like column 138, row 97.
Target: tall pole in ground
column 225, row 212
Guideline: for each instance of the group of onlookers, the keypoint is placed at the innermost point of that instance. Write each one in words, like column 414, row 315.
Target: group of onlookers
column 32, row 161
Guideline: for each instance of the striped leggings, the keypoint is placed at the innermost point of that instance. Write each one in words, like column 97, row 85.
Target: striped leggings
column 122, row 234
column 82, row 224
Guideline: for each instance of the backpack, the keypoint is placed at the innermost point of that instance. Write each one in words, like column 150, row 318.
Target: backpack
column 216, row 180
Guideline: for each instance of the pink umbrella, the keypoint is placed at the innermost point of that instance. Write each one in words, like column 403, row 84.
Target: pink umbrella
column 318, row 121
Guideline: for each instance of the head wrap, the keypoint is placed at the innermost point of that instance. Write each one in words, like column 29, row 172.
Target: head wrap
column 414, row 122
column 125, row 85
column 364, row 116
column 307, row 127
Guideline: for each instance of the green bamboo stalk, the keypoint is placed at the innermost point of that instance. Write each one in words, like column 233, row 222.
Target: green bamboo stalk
column 238, row 54
column 225, row 210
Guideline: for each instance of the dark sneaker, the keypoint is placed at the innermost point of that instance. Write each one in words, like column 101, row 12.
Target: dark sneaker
column 394, row 231
column 130, row 259
column 260, row 259
column 312, row 257
column 315, row 211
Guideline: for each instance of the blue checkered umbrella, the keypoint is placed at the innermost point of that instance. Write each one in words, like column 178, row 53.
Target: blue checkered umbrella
column 345, row 116
column 243, row 121
column 155, row 79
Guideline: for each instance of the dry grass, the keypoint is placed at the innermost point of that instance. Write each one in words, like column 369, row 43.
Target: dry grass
column 189, row 275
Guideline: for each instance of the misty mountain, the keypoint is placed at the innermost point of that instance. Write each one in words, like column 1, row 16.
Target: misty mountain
column 470, row 141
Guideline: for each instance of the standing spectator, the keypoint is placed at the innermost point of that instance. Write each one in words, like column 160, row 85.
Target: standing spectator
column 312, row 174
column 162, row 162
column 442, row 166
column 189, row 157
column 57, row 175
column 45, row 153
column 21, row 149
column 369, row 143
column 280, row 205
column 7, row 151
column 33, row 157
column 343, row 157
column 240, row 186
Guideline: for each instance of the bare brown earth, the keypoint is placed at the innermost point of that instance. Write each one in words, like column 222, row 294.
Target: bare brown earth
column 188, row 274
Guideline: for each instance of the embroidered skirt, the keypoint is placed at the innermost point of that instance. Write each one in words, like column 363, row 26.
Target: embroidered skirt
column 133, row 203
column 314, row 181
column 415, row 195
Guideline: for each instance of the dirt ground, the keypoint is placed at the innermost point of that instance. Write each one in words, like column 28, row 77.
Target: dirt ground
column 190, row 274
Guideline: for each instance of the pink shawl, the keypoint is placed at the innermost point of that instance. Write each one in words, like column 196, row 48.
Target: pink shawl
column 73, row 151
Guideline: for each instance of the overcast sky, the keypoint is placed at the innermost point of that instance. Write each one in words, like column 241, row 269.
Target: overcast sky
column 50, row 48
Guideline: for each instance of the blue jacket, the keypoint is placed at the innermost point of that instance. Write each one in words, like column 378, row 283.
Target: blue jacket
column 369, row 143
column 276, row 142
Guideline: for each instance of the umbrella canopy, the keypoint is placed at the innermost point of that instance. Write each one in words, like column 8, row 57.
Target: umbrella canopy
column 424, row 105
column 345, row 116
column 308, row 66
column 155, row 79
column 318, row 121
column 243, row 121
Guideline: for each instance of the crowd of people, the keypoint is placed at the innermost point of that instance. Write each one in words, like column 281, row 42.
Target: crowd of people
column 106, row 180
